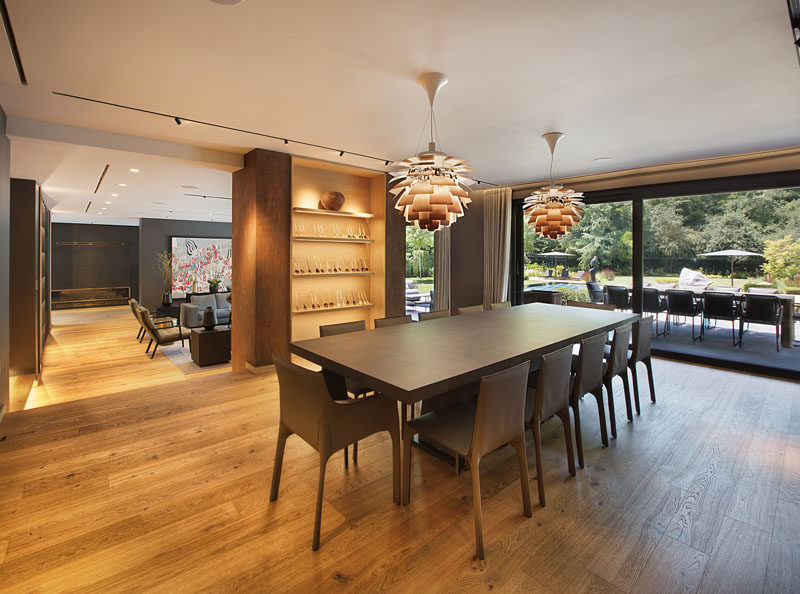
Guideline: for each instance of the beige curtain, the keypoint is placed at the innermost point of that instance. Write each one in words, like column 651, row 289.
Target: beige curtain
column 496, row 244
column 441, row 269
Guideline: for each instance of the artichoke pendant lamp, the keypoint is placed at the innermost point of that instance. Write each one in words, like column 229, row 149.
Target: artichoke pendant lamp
column 553, row 210
column 431, row 187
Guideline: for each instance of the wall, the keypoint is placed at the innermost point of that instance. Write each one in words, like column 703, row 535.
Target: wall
column 80, row 267
column 466, row 256
column 154, row 237
column 5, row 205
column 24, row 270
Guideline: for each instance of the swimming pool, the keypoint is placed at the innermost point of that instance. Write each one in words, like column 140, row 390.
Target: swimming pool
column 554, row 286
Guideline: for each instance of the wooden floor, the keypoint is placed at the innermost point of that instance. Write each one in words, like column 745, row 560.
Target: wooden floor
column 162, row 485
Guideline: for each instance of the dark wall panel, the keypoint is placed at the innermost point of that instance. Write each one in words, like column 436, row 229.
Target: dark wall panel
column 93, row 266
column 154, row 237
column 466, row 258
column 5, row 204
column 24, row 270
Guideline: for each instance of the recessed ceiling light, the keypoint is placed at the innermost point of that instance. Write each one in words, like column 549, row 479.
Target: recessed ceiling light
column 602, row 159
column 227, row 2
column 132, row 170
column 108, row 201
column 159, row 202
column 190, row 187
column 105, row 207
column 114, row 195
column 124, row 185
column 99, row 213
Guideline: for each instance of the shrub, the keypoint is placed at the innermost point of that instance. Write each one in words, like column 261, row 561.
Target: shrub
column 576, row 294
column 792, row 291
column 759, row 285
column 607, row 274
column 663, row 280
column 783, row 257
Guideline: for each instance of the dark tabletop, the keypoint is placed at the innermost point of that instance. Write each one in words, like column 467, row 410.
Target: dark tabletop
column 412, row 362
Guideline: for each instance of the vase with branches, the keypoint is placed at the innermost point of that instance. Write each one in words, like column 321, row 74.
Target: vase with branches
column 164, row 265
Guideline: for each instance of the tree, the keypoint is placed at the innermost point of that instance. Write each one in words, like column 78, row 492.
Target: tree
column 783, row 257
column 419, row 252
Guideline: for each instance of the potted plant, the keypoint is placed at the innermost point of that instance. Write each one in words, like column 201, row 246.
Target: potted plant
column 213, row 285
column 164, row 266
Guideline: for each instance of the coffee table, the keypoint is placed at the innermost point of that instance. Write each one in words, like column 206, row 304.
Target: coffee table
column 211, row 347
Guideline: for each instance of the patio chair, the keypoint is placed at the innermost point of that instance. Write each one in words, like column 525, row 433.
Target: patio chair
column 720, row 306
column 762, row 309
column 654, row 303
column 308, row 410
column 595, row 291
column 682, row 303
column 617, row 296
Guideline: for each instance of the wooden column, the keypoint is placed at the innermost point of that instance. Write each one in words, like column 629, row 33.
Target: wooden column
column 262, row 199
column 395, row 258
column 637, row 215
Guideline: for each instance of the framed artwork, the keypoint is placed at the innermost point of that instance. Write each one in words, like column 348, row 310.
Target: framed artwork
column 196, row 260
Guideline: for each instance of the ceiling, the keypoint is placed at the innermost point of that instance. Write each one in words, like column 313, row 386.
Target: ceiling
column 640, row 82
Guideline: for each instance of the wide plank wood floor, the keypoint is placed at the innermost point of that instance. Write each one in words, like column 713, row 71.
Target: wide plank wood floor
column 160, row 482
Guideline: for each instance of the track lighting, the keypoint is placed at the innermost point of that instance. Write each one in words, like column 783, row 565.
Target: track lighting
column 341, row 153
column 178, row 121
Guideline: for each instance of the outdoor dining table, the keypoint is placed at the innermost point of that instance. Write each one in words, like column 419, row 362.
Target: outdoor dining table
column 413, row 362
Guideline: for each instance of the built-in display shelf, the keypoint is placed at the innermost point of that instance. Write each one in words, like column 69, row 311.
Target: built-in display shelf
column 324, row 309
column 333, row 213
column 316, row 274
column 331, row 239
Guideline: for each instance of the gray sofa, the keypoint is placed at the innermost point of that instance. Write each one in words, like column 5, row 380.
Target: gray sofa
column 192, row 312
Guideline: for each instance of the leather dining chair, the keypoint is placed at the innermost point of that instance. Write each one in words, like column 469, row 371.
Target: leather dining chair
column 327, row 425
column 496, row 420
column 550, row 397
column 720, row 306
column 681, row 302
column 640, row 352
column 352, row 386
column 500, row 305
column 470, row 309
column 617, row 365
column 432, row 315
column 395, row 321
column 588, row 369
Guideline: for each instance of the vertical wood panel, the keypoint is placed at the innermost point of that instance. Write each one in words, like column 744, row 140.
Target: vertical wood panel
column 395, row 258
column 24, row 275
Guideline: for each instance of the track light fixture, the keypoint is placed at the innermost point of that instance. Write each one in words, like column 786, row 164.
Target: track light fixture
column 178, row 121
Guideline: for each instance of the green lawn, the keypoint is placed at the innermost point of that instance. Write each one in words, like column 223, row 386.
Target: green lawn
column 424, row 284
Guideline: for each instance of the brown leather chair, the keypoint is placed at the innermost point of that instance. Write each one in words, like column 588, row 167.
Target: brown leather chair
column 496, row 420
column 432, row 315
column 327, row 425
column 470, row 309
column 158, row 321
column 588, row 369
column 550, row 397
column 617, row 364
column 395, row 321
column 161, row 335
column 640, row 351
column 500, row 305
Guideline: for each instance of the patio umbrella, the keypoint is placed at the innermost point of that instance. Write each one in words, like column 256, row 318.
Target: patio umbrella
column 732, row 254
column 555, row 256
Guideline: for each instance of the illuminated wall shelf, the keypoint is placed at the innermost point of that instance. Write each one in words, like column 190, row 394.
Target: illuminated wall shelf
column 333, row 213
column 317, row 274
column 327, row 309
column 331, row 239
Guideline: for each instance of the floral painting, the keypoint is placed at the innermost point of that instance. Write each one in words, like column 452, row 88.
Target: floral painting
column 196, row 260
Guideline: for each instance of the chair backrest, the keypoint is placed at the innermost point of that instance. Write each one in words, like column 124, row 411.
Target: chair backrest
column 719, row 305
column 500, row 412
column 432, row 315
column 304, row 398
column 651, row 300
column 762, row 291
column 470, row 309
column 642, row 336
column 134, row 304
column 617, row 296
column 618, row 360
column 681, row 302
column 605, row 306
column 595, row 291
column 589, row 373
column 761, row 308
column 395, row 321
column 552, row 389
column 148, row 324
column 343, row 328
column 537, row 296
column 500, row 305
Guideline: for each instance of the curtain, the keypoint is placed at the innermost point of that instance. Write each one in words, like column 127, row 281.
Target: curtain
column 441, row 269
column 496, row 244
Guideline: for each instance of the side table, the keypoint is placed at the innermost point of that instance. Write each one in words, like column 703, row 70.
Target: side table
column 210, row 347
column 170, row 311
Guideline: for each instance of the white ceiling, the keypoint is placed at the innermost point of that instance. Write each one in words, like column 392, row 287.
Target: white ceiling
column 641, row 82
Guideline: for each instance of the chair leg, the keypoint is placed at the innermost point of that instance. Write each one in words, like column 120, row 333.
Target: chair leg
column 283, row 433
column 323, row 461
column 355, row 452
column 635, row 380
column 474, row 462
column 155, row 348
column 627, row 388
column 648, row 363
column 563, row 414
column 147, row 350
column 524, row 479
column 408, row 437
column 601, row 409
column 141, row 338
column 346, row 458
column 139, row 333
column 578, row 437
column 777, row 337
column 612, row 417
column 537, row 442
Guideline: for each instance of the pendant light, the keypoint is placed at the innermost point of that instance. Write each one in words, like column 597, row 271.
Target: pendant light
column 553, row 210
column 431, row 188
